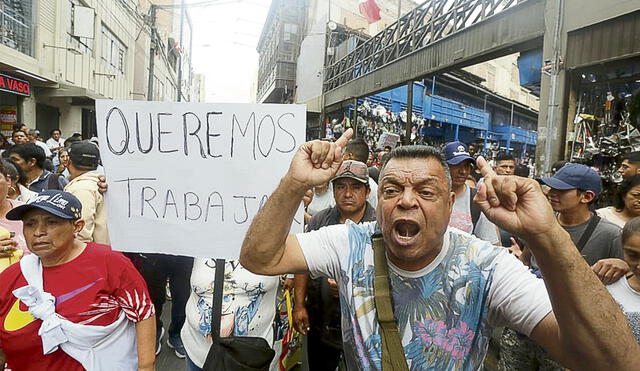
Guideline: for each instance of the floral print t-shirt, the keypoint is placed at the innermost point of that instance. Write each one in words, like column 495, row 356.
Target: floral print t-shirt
column 445, row 311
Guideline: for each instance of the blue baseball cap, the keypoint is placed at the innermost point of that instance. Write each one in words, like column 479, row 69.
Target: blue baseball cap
column 575, row 176
column 61, row 204
column 456, row 152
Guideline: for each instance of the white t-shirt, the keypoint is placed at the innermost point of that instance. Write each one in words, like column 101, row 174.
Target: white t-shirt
column 45, row 148
column 445, row 311
column 321, row 201
column 52, row 143
column 629, row 301
column 461, row 219
column 249, row 306
column 609, row 214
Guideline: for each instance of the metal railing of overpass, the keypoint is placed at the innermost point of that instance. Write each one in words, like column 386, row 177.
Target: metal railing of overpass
column 425, row 25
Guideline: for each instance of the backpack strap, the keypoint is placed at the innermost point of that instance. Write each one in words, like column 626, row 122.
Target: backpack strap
column 475, row 209
column 393, row 358
column 586, row 235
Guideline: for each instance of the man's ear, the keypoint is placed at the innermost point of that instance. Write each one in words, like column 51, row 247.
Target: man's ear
column 587, row 196
column 78, row 225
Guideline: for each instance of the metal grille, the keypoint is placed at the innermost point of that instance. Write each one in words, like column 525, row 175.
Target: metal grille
column 16, row 25
column 428, row 23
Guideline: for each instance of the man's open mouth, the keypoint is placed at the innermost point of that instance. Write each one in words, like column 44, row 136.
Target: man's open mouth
column 406, row 229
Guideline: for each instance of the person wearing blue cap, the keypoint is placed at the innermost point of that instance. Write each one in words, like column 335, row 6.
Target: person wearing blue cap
column 571, row 190
column 466, row 216
column 417, row 294
column 95, row 314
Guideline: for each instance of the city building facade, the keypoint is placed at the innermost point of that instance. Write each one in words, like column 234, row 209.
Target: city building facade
column 68, row 53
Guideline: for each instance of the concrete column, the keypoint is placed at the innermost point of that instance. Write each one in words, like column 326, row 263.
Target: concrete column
column 553, row 108
column 572, row 109
column 28, row 109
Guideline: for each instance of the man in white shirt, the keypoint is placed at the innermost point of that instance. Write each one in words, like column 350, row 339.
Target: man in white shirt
column 449, row 288
column 33, row 135
column 55, row 143
column 466, row 216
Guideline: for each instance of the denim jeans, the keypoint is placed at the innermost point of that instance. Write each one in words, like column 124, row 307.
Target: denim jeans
column 190, row 366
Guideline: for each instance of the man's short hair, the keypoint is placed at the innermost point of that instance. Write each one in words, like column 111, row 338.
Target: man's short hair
column 632, row 157
column 28, row 151
column 503, row 156
column 420, row 152
column 54, row 130
column 359, row 149
column 69, row 141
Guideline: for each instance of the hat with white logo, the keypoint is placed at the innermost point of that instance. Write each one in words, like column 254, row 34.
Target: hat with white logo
column 61, row 204
column 456, row 152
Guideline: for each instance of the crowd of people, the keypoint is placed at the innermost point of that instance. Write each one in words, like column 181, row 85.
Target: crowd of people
column 476, row 257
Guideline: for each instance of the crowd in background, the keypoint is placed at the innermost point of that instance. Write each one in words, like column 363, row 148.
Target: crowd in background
column 128, row 295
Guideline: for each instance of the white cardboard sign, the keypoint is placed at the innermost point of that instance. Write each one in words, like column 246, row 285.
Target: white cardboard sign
column 188, row 178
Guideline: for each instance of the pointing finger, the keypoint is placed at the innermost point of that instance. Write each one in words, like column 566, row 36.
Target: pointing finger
column 484, row 167
column 344, row 139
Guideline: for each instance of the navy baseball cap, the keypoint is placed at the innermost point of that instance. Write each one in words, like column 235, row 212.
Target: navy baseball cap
column 61, row 204
column 456, row 152
column 575, row 176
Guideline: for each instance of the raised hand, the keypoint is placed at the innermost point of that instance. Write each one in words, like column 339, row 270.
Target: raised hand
column 316, row 162
column 514, row 204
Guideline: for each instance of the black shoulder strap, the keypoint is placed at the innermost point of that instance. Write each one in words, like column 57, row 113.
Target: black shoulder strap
column 52, row 182
column 593, row 222
column 218, row 288
column 475, row 210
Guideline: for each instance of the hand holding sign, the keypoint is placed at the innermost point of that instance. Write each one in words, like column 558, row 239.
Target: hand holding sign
column 316, row 162
column 514, row 204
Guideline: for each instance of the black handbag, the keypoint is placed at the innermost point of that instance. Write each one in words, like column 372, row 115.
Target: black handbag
column 234, row 353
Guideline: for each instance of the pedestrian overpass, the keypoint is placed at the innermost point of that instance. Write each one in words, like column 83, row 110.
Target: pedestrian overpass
column 437, row 36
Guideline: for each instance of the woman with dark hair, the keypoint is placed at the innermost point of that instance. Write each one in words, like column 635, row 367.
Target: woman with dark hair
column 626, row 204
column 18, row 189
column 626, row 291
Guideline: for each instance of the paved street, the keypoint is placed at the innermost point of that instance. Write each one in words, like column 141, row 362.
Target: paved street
column 167, row 360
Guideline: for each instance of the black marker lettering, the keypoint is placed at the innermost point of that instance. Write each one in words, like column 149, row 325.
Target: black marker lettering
column 143, row 150
column 273, row 135
column 219, row 203
column 129, row 180
column 293, row 139
column 160, row 133
column 244, row 205
column 209, row 135
column 146, row 200
column 126, row 132
column 195, row 203
column 193, row 133
column 167, row 203
column 235, row 123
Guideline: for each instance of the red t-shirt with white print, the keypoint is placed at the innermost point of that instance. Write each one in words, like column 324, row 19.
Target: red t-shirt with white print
column 91, row 289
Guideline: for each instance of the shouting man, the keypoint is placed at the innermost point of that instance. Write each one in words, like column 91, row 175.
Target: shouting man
column 449, row 288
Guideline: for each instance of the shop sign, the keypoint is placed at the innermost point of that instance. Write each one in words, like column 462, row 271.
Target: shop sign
column 8, row 118
column 15, row 86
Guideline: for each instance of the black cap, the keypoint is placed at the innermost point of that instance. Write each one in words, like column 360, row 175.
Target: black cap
column 84, row 154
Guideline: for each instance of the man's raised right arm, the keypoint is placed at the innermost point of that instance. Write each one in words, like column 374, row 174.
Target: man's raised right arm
column 268, row 249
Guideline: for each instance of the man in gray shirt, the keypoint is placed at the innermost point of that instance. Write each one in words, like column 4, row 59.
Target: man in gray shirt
column 570, row 192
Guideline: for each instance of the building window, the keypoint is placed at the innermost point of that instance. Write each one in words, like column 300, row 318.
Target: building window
column 82, row 44
column 16, row 25
column 114, row 52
